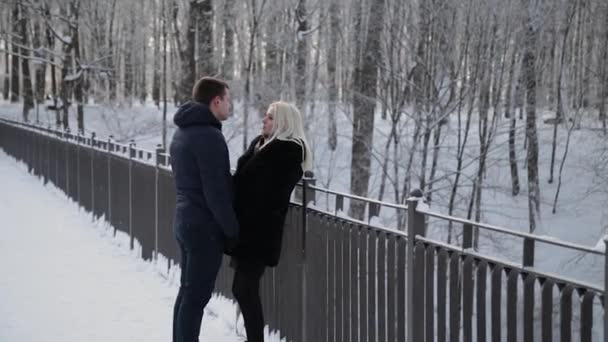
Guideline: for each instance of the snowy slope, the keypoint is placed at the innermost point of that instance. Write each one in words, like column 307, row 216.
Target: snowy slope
column 66, row 278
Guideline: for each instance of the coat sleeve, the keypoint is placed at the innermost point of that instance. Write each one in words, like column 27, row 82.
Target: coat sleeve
column 214, row 165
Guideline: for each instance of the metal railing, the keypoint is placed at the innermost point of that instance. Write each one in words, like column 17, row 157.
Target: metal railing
column 339, row 279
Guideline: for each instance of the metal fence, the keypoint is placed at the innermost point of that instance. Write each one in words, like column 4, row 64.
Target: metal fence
column 339, row 279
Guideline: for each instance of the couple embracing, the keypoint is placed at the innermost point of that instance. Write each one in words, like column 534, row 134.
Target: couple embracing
column 241, row 215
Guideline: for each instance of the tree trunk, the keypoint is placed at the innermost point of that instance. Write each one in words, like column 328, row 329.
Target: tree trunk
column 204, row 28
column 112, row 61
column 559, row 106
column 164, row 72
column 386, row 155
column 79, row 80
column 15, row 72
column 66, row 70
column 561, row 166
column 50, row 41
column 28, row 94
column 426, row 138
column 588, row 42
column 512, row 125
column 7, row 71
column 270, row 81
column 187, row 57
column 603, row 88
column 314, row 79
column 229, row 21
column 332, row 62
column 364, row 105
column 302, row 54
column 143, row 89
column 463, row 90
column 529, row 71
column 40, row 64
column 129, row 59
column 483, row 109
column 156, row 72
column 248, row 69
column 436, row 147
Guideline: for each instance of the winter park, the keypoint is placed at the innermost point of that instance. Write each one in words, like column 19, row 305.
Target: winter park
column 299, row 170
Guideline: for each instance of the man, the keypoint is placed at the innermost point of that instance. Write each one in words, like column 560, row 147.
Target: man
column 205, row 222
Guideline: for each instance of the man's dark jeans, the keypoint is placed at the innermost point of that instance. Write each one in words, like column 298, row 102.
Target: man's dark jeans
column 199, row 266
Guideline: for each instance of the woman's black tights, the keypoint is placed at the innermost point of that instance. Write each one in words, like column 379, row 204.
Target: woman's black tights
column 246, row 290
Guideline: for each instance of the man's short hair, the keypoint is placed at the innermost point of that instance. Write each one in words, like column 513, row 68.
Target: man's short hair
column 207, row 88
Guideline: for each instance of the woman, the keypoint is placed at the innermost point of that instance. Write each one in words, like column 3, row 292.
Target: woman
column 265, row 177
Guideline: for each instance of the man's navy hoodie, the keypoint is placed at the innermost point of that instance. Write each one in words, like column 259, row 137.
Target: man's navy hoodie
column 201, row 168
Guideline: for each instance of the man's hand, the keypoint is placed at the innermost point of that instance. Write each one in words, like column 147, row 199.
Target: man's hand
column 230, row 245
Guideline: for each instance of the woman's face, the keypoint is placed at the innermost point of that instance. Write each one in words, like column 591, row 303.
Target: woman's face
column 268, row 122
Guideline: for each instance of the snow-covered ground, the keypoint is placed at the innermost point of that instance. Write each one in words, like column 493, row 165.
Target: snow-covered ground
column 65, row 277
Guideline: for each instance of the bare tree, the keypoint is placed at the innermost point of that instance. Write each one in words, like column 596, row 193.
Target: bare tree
column 332, row 62
column 559, row 106
column 603, row 88
column 512, row 122
column 111, row 62
column 50, row 41
column 5, row 39
column 301, row 18
column 7, row 82
column 143, row 89
column 40, row 62
column 28, row 94
column 165, row 37
column 156, row 69
column 203, row 11
column 229, row 19
column 256, row 16
column 529, row 72
column 77, row 70
column 15, row 71
column 364, row 106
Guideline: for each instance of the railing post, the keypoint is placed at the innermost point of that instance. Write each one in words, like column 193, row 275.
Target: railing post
column 108, row 152
column 132, row 152
column 339, row 204
column 467, row 236
column 415, row 226
column 311, row 195
column 307, row 195
column 528, row 260
column 605, row 303
column 131, row 156
column 67, row 159
column 92, row 153
column 373, row 210
column 159, row 151
column 78, row 150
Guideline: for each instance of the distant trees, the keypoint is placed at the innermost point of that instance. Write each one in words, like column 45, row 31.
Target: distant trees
column 445, row 76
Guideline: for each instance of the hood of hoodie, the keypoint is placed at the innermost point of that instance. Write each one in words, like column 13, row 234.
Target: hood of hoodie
column 195, row 114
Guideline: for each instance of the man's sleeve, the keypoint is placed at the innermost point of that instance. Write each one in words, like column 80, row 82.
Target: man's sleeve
column 212, row 160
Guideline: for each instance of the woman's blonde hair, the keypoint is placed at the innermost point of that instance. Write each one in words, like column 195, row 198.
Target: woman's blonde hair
column 287, row 125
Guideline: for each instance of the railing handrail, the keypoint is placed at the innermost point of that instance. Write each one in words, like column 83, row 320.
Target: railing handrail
column 531, row 236
column 360, row 198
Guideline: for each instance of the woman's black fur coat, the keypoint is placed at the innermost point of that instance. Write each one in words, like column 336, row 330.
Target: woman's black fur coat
column 263, row 183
